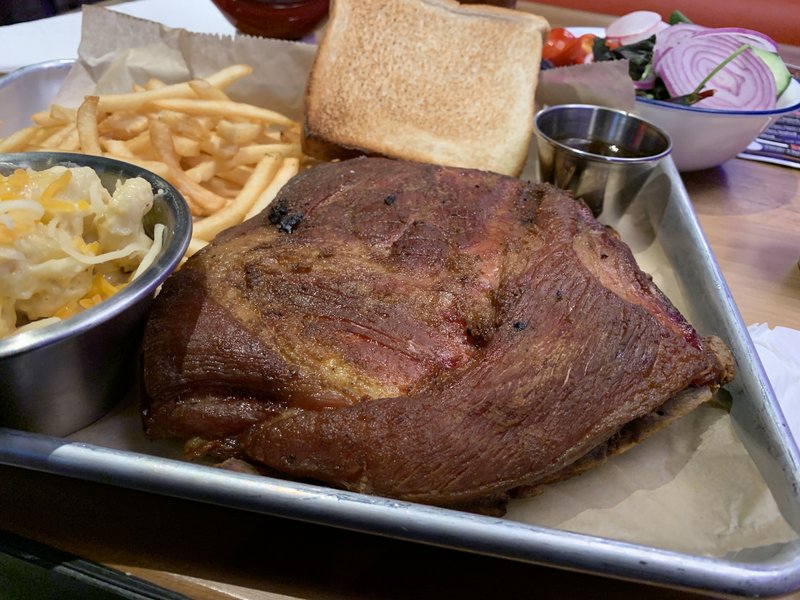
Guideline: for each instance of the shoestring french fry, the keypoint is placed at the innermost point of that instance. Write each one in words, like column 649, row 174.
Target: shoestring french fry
column 123, row 125
column 233, row 213
column 206, row 91
column 201, row 200
column 18, row 140
column 229, row 159
column 87, row 126
column 195, row 245
column 288, row 169
column 135, row 100
column 223, row 108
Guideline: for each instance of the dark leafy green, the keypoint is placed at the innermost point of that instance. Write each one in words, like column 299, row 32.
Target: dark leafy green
column 657, row 92
column 638, row 55
column 678, row 17
column 640, row 58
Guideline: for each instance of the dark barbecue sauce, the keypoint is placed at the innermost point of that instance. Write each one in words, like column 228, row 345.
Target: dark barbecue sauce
column 601, row 148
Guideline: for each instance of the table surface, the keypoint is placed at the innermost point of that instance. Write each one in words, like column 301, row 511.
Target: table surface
column 750, row 213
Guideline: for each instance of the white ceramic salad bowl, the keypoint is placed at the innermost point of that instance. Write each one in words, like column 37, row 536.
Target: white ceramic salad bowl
column 704, row 138
column 701, row 137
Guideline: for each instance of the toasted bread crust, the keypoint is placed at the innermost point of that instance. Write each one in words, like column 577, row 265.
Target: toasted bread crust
column 425, row 80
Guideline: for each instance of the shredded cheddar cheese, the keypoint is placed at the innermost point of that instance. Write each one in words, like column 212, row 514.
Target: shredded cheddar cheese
column 67, row 244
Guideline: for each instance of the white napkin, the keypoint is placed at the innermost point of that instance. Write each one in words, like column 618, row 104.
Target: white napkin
column 779, row 351
column 58, row 37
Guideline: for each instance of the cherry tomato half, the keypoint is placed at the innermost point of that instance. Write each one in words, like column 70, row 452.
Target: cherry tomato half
column 577, row 52
column 558, row 39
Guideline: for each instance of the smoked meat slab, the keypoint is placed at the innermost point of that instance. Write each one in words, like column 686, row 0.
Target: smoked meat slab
column 432, row 334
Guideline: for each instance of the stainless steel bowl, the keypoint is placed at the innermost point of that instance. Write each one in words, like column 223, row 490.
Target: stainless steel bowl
column 58, row 379
column 28, row 90
column 598, row 153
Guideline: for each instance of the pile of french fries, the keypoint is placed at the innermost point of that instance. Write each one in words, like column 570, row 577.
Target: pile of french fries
column 228, row 159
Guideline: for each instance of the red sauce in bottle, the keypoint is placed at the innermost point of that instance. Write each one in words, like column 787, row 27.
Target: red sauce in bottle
column 286, row 19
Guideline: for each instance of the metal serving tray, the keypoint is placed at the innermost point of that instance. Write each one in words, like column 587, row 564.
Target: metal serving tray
column 706, row 302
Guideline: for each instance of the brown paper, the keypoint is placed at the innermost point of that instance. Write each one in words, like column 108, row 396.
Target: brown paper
column 603, row 83
column 691, row 487
column 117, row 51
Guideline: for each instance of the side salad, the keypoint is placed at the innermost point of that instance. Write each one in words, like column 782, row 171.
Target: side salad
column 729, row 68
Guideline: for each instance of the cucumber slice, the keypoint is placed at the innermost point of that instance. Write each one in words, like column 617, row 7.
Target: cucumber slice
column 779, row 71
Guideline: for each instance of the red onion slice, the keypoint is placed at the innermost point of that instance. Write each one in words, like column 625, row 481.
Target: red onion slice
column 671, row 36
column 633, row 24
column 638, row 37
column 644, row 84
column 745, row 83
column 746, row 36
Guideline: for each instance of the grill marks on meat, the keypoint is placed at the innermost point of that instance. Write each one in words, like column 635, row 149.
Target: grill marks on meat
column 433, row 334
